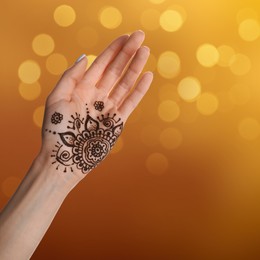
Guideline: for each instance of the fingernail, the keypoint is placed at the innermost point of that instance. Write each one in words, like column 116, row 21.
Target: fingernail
column 81, row 58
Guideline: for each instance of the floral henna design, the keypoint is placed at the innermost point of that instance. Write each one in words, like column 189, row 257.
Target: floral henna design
column 56, row 118
column 99, row 105
column 88, row 142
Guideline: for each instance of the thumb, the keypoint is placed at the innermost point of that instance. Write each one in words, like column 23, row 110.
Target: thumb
column 69, row 80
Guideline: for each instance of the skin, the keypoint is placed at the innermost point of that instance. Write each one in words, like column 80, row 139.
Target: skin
column 112, row 79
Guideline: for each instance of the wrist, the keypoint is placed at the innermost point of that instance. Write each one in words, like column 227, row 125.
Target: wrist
column 62, row 182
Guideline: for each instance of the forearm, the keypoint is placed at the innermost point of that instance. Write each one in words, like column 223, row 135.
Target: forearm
column 29, row 213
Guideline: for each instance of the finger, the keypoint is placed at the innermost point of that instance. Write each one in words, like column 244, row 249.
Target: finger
column 131, row 75
column 130, row 103
column 115, row 69
column 69, row 80
column 93, row 74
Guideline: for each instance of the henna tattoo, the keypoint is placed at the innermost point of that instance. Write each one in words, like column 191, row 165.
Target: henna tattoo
column 87, row 142
column 99, row 105
column 56, row 118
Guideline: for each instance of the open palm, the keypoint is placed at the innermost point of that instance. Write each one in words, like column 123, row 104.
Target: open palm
column 86, row 111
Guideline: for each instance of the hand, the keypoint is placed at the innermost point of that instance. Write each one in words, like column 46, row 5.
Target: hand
column 86, row 111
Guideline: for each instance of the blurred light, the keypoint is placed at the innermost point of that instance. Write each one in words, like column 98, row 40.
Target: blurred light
column 64, row 15
column 246, row 13
column 91, row 59
column 110, row 17
column 150, row 19
column 157, row 163
column 189, row 89
column 168, row 111
column 38, row 116
column 171, row 138
column 249, row 30
column 240, row 64
column 56, row 64
column 30, row 91
column 168, row 64
column 171, row 20
column 43, row 44
column 226, row 54
column 157, row 1
column 168, row 91
column 9, row 186
column 249, row 128
column 239, row 94
column 118, row 145
column 150, row 135
column 29, row 71
column 207, row 55
column 87, row 37
column 207, row 104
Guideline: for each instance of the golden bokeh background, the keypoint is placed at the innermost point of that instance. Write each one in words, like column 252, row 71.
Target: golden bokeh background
column 183, row 181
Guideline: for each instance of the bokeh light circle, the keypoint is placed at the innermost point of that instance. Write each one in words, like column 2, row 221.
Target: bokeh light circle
column 168, row 111
column 168, row 64
column 240, row 64
column 64, row 15
column 29, row 72
column 56, row 63
column 207, row 55
column 157, row 163
column 43, row 44
column 249, row 30
column 30, row 91
column 38, row 115
column 110, row 17
column 171, row 20
column 249, row 128
column 189, row 89
column 207, row 103
column 226, row 54
column 171, row 138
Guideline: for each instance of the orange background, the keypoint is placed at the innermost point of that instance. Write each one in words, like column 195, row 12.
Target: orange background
column 199, row 200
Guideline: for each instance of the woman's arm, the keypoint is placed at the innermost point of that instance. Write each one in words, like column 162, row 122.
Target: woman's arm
column 84, row 116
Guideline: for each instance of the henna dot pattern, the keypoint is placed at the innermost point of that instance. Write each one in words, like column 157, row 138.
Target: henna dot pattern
column 87, row 142
column 56, row 118
column 99, row 105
